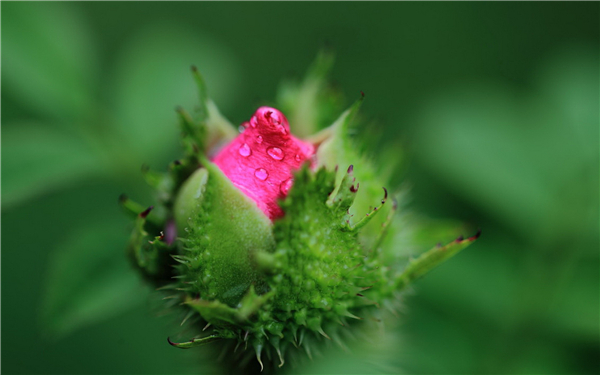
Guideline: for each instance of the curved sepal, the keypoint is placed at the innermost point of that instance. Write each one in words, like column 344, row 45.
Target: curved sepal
column 216, row 312
column 148, row 252
column 222, row 230
column 195, row 342
column 429, row 260
column 311, row 104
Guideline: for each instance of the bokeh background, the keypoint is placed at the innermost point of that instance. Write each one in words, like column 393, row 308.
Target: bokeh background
column 495, row 106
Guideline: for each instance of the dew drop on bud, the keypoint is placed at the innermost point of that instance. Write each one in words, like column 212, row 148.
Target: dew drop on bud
column 259, row 139
column 253, row 121
column 261, row 174
column 245, row 150
column 286, row 186
column 276, row 153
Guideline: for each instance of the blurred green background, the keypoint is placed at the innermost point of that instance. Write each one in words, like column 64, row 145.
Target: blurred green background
column 495, row 104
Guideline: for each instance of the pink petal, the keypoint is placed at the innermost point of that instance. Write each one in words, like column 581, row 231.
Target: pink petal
column 260, row 160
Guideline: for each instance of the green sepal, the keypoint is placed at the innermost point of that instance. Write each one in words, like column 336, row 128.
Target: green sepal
column 311, row 104
column 218, row 313
column 189, row 198
column 133, row 209
column 216, row 128
column 149, row 253
column 221, row 235
column 337, row 150
column 195, row 342
column 429, row 260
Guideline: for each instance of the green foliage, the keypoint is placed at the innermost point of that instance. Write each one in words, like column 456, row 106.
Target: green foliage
column 89, row 280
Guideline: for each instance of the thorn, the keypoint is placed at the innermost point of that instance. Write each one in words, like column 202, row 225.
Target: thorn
column 194, row 68
column 476, row 236
column 385, row 196
column 351, row 168
column 145, row 213
column 460, row 238
column 179, row 109
column 354, row 189
column 280, row 357
column 439, row 244
column 308, row 353
column 362, row 94
column 171, row 342
column 258, row 352
column 320, row 330
column 350, row 315
column 360, row 295
column 123, row 198
column 187, row 317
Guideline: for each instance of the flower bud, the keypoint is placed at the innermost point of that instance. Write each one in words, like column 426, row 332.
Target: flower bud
column 261, row 159
column 277, row 243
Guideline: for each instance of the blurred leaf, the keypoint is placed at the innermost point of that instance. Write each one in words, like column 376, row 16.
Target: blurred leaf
column 47, row 57
column 89, row 279
column 518, row 155
column 37, row 158
column 153, row 77
column 311, row 105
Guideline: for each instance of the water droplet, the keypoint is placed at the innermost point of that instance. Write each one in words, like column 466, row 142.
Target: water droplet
column 298, row 158
column 253, row 121
column 276, row 153
column 261, row 174
column 286, row 186
column 245, row 150
column 241, row 128
column 259, row 139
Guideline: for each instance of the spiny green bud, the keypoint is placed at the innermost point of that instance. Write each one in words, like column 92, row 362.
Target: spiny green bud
column 272, row 242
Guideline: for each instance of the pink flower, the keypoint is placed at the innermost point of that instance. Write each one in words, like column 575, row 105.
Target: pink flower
column 261, row 159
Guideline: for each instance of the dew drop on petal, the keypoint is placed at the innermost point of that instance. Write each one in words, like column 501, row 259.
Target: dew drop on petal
column 259, row 139
column 286, row 186
column 261, row 174
column 276, row 153
column 253, row 121
column 298, row 158
column 245, row 150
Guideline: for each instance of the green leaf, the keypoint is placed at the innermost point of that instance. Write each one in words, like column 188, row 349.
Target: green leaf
column 153, row 77
column 47, row 57
column 89, row 279
column 37, row 159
